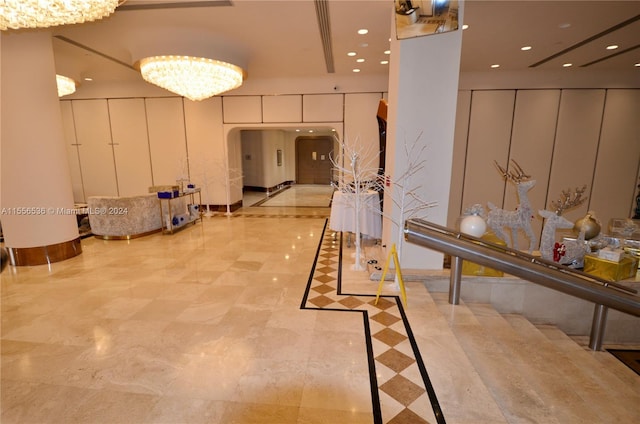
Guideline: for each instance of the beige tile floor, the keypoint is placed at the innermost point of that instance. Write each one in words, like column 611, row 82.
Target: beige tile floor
column 251, row 318
column 204, row 325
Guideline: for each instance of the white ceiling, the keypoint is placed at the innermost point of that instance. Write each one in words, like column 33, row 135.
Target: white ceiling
column 281, row 39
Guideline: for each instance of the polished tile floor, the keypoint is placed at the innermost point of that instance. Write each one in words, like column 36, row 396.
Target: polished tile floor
column 252, row 318
column 225, row 321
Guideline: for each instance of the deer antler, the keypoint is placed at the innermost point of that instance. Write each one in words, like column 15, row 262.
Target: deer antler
column 569, row 200
column 517, row 177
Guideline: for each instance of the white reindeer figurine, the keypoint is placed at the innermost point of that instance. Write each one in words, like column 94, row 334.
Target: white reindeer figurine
column 571, row 252
column 519, row 219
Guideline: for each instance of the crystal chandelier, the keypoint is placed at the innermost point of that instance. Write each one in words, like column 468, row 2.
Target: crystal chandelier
column 16, row 14
column 66, row 85
column 195, row 78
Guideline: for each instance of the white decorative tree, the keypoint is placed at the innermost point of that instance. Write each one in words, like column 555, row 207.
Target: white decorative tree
column 405, row 191
column 356, row 172
column 232, row 178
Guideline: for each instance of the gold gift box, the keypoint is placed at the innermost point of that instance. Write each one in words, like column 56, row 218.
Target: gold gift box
column 610, row 270
column 470, row 268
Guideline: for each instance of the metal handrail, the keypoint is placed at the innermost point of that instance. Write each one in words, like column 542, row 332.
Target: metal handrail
column 604, row 294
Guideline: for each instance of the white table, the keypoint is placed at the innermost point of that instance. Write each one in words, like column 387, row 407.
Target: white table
column 343, row 213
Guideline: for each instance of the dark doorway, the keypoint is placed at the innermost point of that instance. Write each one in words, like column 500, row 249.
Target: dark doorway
column 313, row 165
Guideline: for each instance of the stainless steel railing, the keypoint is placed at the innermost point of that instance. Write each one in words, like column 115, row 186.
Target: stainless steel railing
column 602, row 293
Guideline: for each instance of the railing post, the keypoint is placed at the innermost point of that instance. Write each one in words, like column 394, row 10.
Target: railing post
column 597, row 327
column 455, row 280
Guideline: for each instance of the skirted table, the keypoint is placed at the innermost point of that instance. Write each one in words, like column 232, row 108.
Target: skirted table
column 343, row 213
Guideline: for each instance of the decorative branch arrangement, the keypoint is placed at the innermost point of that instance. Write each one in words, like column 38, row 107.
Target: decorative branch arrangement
column 404, row 195
column 520, row 218
column 569, row 252
column 356, row 172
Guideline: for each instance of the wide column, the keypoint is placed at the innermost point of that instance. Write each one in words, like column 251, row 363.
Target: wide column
column 423, row 90
column 36, row 202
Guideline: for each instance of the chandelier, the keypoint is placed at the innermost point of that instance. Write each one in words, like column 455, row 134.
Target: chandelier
column 16, row 14
column 195, row 78
column 66, row 85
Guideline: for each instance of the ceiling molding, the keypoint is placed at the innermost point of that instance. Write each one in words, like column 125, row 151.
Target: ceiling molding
column 322, row 12
column 587, row 41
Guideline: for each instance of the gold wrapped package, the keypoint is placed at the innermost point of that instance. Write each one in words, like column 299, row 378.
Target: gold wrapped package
column 610, row 270
column 470, row 268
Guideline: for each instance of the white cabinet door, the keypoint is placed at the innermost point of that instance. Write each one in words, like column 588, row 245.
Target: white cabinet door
column 73, row 155
column 93, row 135
column 576, row 145
column 489, row 137
column 167, row 143
column 130, row 146
column 614, row 184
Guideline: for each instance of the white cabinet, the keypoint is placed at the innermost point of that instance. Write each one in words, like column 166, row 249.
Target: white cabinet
column 323, row 108
column 489, row 136
column 130, row 146
column 73, row 154
column 167, row 143
column 93, row 137
column 615, row 176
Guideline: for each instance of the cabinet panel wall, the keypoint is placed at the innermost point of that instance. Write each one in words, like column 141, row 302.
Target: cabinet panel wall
column 167, row 143
column 323, row 108
column 282, row 108
column 490, row 125
column 576, row 147
column 73, row 155
column 93, row 135
column 205, row 147
column 242, row 109
column 130, row 146
column 463, row 110
column 532, row 138
column 563, row 138
column 361, row 124
column 615, row 181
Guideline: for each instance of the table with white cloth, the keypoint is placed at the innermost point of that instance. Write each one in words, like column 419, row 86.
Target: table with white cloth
column 343, row 213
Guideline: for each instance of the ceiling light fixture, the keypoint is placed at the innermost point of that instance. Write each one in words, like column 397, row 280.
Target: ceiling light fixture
column 16, row 14
column 495, row 66
column 612, row 47
column 525, row 48
column 351, row 54
column 567, row 65
column 195, row 78
column 66, row 85
column 363, row 31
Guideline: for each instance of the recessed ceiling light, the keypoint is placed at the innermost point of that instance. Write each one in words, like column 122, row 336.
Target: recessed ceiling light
column 525, row 48
column 612, row 47
column 363, row 31
column 386, row 62
column 351, row 54
column 387, row 52
column 564, row 25
column 360, row 60
column 495, row 65
column 356, row 70
column 465, row 26
column 88, row 79
column 310, row 131
column 364, row 45
column 636, row 64
column 567, row 65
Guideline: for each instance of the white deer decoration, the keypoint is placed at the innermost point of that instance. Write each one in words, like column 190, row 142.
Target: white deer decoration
column 569, row 252
column 519, row 219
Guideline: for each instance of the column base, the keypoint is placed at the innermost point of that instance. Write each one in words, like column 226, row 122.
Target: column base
column 27, row 256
